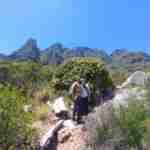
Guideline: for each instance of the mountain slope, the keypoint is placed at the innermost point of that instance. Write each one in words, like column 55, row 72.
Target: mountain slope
column 53, row 55
column 57, row 53
column 123, row 55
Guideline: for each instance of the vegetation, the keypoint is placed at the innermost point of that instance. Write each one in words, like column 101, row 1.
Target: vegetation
column 120, row 128
column 28, row 82
column 15, row 123
column 131, row 121
column 118, row 76
column 27, row 75
column 91, row 69
column 21, row 83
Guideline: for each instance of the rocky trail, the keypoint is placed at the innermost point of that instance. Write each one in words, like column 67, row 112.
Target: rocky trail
column 67, row 134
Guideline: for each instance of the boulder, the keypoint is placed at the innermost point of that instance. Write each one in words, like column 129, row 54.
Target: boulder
column 138, row 78
column 124, row 95
column 59, row 107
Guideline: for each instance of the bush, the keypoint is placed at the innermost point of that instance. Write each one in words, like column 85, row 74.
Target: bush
column 118, row 76
column 14, row 121
column 131, row 122
column 91, row 69
column 42, row 113
column 27, row 76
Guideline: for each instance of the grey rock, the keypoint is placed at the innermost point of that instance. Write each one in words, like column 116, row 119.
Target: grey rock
column 138, row 78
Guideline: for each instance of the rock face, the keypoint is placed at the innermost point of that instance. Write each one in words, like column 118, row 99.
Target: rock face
column 57, row 54
column 124, row 56
column 53, row 55
column 29, row 51
column 138, row 78
column 87, row 52
column 124, row 93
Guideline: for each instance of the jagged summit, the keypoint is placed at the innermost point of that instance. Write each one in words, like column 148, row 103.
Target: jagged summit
column 57, row 53
column 28, row 51
column 30, row 43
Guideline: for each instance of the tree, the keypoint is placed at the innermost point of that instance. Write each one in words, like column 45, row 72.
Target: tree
column 91, row 69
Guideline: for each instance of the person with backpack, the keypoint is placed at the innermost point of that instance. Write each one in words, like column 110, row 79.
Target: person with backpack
column 75, row 92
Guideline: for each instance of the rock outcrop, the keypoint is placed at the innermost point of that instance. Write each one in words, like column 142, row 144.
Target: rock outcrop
column 123, row 55
column 57, row 54
column 59, row 107
column 53, row 55
column 138, row 78
column 123, row 96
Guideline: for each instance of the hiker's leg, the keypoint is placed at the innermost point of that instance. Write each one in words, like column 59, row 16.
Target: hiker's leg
column 75, row 109
column 84, row 106
column 74, row 112
column 80, row 110
column 87, row 106
column 79, row 117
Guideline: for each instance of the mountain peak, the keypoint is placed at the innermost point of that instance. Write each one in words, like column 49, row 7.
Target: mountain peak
column 28, row 51
column 30, row 43
column 57, row 46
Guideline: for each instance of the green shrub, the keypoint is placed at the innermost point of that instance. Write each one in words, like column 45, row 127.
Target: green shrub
column 25, row 75
column 120, row 129
column 118, row 76
column 134, row 120
column 131, row 121
column 91, row 69
column 15, row 123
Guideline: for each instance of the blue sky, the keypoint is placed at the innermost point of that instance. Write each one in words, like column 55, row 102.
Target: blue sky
column 106, row 24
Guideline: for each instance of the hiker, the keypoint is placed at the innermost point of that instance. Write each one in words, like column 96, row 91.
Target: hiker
column 75, row 91
column 80, row 93
column 84, row 94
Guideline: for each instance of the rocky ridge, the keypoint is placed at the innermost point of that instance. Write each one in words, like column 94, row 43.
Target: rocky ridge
column 57, row 53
